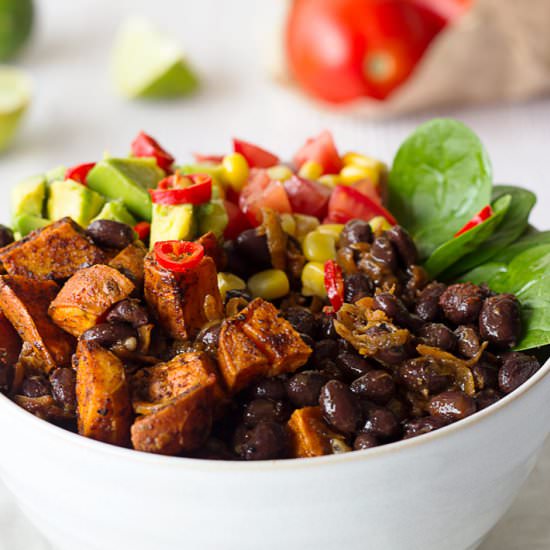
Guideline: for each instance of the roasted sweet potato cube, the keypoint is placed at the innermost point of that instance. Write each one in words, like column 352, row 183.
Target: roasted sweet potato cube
column 311, row 435
column 25, row 303
column 129, row 262
column 56, row 251
column 275, row 336
column 10, row 346
column 182, row 425
column 180, row 301
column 87, row 296
column 102, row 394
column 240, row 360
column 165, row 381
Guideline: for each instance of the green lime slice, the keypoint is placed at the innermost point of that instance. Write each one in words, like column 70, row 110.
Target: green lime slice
column 147, row 64
column 15, row 96
column 16, row 17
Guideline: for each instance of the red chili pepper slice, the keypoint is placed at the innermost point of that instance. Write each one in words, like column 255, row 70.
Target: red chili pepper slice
column 168, row 192
column 178, row 256
column 334, row 283
column 145, row 146
column 484, row 214
column 143, row 229
column 79, row 173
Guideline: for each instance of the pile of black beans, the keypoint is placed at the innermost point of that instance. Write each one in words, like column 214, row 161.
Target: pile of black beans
column 397, row 394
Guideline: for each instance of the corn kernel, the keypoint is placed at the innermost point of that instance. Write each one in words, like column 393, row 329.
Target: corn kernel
column 313, row 279
column 371, row 168
column 332, row 229
column 279, row 172
column 227, row 282
column 269, row 284
column 304, row 225
column 330, row 180
column 288, row 223
column 319, row 247
column 353, row 173
column 361, row 160
column 379, row 223
column 310, row 170
column 235, row 170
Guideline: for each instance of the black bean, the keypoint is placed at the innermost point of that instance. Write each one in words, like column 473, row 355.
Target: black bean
column 35, row 386
column 209, row 337
column 420, row 375
column 515, row 370
column 377, row 386
column 381, row 423
column 395, row 309
column 394, row 355
column 452, row 405
column 329, row 368
column 353, row 365
column 485, row 375
column 253, row 247
column 270, row 388
column 355, row 231
column 344, row 346
column 266, row 410
column 63, row 381
column 468, row 341
column 303, row 388
column 383, row 252
column 438, row 335
column 236, row 263
column 325, row 326
column 405, row 246
column 6, row 236
column 364, row 441
column 356, row 286
column 241, row 293
column 324, row 349
column 111, row 234
column 427, row 306
column 340, row 407
column 399, row 408
column 500, row 321
column 485, row 398
column 420, row 426
column 109, row 335
column 265, row 441
column 128, row 311
column 461, row 303
column 301, row 319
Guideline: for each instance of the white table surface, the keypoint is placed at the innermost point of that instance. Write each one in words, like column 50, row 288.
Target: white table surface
column 75, row 117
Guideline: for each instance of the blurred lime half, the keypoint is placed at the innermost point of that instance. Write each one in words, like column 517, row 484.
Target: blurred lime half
column 149, row 64
column 15, row 96
column 16, row 18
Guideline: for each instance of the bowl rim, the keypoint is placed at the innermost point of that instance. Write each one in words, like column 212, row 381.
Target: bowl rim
column 217, row 466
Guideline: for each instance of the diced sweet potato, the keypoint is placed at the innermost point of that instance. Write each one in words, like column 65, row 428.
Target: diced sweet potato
column 87, row 296
column 25, row 303
column 182, row 425
column 274, row 336
column 163, row 382
column 178, row 299
column 311, row 435
column 56, row 251
column 102, row 393
column 240, row 360
column 129, row 262
column 10, row 346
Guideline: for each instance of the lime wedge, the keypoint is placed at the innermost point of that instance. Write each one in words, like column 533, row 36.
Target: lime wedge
column 16, row 17
column 148, row 64
column 15, row 95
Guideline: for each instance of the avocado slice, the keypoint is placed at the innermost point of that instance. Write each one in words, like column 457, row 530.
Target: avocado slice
column 115, row 211
column 26, row 223
column 56, row 174
column 212, row 216
column 127, row 179
column 70, row 198
column 172, row 223
column 27, row 197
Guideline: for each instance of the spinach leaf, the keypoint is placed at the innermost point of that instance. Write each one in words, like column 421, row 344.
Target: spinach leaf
column 512, row 226
column 451, row 251
column 440, row 178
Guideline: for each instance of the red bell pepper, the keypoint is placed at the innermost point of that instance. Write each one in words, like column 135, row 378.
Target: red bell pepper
column 145, row 146
column 484, row 214
column 143, row 230
column 79, row 173
column 178, row 256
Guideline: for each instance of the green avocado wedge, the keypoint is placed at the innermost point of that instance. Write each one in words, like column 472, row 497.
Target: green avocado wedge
column 28, row 197
column 115, row 211
column 70, row 198
column 26, row 223
column 172, row 223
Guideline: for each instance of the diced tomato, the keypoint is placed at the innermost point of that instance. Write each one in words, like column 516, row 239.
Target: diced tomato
column 207, row 159
column 322, row 150
column 254, row 155
column 369, row 189
column 261, row 192
column 237, row 221
column 307, row 197
column 347, row 203
column 79, row 173
column 145, row 146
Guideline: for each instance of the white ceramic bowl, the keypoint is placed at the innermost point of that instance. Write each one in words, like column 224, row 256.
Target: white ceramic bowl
column 444, row 490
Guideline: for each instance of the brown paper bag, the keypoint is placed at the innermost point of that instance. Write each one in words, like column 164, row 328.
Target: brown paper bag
column 498, row 51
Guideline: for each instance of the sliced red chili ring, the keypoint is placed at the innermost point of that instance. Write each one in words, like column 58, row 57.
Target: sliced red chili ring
column 79, row 173
column 334, row 284
column 484, row 214
column 178, row 256
column 145, row 146
column 168, row 194
column 143, row 229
